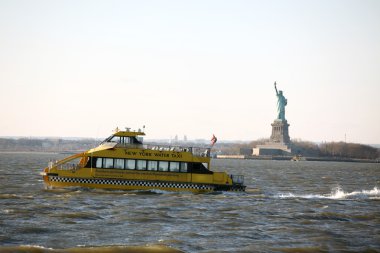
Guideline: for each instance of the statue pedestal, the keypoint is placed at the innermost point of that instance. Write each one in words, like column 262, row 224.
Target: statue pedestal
column 280, row 132
column 279, row 143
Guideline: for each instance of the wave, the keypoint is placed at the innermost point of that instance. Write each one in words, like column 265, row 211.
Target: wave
column 15, row 196
column 78, row 215
column 96, row 249
column 336, row 193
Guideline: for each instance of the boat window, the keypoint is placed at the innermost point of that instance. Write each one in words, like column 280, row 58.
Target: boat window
column 141, row 165
column 130, row 164
column 108, row 163
column 163, row 166
column 116, row 139
column 108, row 139
column 98, row 162
column 119, row 164
column 199, row 168
column 152, row 165
column 174, row 166
column 183, row 167
column 90, row 162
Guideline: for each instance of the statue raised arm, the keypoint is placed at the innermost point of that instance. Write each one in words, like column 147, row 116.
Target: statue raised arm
column 281, row 103
column 275, row 87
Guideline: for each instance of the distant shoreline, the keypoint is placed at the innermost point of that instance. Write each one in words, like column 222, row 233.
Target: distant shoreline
column 302, row 150
column 242, row 157
column 38, row 152
column 289, row 158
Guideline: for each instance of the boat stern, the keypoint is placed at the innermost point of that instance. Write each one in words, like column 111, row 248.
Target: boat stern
column 226, row 182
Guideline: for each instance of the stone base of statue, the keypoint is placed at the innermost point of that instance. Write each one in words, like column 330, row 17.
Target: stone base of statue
column 279, row 142
column 280, row 132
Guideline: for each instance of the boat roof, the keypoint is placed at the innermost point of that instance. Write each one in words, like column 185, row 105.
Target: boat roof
column 128, row 133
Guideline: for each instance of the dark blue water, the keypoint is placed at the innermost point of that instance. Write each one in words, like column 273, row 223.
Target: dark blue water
column 288, row 207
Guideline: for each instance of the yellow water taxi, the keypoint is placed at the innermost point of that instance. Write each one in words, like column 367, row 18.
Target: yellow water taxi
column 123, row 162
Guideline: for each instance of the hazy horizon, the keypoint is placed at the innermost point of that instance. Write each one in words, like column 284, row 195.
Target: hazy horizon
column 195, row 68
column 377, row 145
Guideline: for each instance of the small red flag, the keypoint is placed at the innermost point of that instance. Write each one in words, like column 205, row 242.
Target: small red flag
column 213, row 140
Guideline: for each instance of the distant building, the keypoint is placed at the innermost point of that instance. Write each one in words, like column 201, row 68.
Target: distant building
column 245, row 151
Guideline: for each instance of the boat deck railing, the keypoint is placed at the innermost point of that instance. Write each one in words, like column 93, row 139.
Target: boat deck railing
column 196, row 151
column 69, row 166
column 237, row 179
column 66, row 164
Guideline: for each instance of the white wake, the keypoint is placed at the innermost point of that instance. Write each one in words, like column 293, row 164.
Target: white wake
column 336, row 193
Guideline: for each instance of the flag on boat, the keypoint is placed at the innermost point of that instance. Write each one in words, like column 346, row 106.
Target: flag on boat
column 213, row 140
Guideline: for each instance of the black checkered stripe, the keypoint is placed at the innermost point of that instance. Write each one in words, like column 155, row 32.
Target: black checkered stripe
column 131, row 183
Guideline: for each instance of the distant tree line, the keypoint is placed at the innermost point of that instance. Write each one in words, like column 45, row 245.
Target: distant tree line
column 299, row 147
column 335, row 149
column 351, row 150
column 307, row 148
column 46, row 145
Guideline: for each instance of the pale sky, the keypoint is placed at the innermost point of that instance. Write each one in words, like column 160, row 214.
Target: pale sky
column 81, row 68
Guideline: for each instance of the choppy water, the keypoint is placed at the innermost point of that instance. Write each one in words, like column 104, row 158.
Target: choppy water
column 288, row 207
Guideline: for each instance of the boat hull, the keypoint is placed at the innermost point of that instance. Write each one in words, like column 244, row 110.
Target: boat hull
column 56, row 181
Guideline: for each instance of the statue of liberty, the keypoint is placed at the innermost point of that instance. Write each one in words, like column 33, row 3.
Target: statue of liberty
column 281, row 103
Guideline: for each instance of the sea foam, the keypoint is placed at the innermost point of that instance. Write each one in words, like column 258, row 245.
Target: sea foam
column 336, row 193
